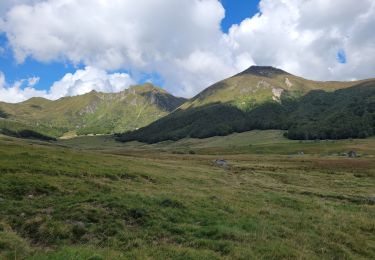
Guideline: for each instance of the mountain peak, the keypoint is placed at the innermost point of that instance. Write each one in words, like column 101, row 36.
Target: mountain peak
column 36, row 100
column 264, row 71
column 147, row 87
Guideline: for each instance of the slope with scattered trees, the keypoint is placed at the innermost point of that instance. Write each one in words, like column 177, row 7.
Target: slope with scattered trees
column 344, row 113
column 95, row 113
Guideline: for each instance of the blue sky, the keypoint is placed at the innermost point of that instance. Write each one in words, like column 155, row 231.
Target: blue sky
column 235, row 12
column 47, row 72
column 182, row 45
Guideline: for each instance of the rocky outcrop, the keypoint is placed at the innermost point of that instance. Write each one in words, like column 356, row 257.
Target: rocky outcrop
column 264, row 71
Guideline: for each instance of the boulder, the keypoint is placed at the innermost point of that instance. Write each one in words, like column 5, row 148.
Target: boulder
column 221, row 163
column 371, row 199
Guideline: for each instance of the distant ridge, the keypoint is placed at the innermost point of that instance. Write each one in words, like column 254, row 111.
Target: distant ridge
column 91, row 113
column 263, row 97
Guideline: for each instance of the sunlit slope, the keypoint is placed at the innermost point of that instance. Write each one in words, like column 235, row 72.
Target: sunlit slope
column 95, row 113
column 259, row 84
column 268, row 98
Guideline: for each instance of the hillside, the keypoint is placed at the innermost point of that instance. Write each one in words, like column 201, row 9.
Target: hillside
column 259, row 84
column 60, row 201
column 345, row 113
column 92, row 113
column 269, row 98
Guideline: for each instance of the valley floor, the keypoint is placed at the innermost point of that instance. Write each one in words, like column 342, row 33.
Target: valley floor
column 94, row 198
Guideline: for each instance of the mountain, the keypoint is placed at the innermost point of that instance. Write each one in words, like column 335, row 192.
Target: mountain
column 269, row 98
column 91, row 113
column 345, row 113
column 259, row 84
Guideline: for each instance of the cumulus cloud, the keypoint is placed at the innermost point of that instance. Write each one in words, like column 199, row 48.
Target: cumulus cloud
column 18, row 92
column 145, row 36
column 88, row 79
column 306, row 37
column 81, row 82
column 182, row 40
column 33, row 81
column 6, row 5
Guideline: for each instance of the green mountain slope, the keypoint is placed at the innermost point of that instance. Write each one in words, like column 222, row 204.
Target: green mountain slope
column 266, row 98
column 93, row 113
column 260, row 84
column 346, row 113
column 21, row 130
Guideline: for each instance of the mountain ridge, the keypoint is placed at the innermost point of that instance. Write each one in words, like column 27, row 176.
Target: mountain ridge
column 261, row 97
column 248, row 101
column 94, row 112
column 259, row 84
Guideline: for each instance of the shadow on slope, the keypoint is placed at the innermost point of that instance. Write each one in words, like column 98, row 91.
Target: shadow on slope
column 20, row 130
column 3, row 114
column 27, row 134
column 345, row 113
column 163, row 100
column 218, row 119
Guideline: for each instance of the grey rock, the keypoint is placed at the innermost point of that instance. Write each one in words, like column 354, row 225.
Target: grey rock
column 352, row 154
column 371, row 198
column 221, row 163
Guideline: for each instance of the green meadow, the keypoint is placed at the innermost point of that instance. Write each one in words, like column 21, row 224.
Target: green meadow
column 95, row 198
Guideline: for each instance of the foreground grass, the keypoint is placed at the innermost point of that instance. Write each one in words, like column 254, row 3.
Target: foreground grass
column 134, row 202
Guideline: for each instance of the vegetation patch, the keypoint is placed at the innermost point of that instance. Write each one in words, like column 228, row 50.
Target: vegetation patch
column 136, row 202
column 342, row 114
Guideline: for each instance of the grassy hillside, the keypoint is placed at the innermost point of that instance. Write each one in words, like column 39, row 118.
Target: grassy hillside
column 23, row 130
column 258, row 84
column 135, row 202
column 344, row 113
column 265, row 142
column 95, row 113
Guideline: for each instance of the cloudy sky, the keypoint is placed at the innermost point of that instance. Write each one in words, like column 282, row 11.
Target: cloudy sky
column 56, row 48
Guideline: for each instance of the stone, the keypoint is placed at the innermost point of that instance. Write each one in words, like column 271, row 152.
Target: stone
column 221, row 163
column 371, row 199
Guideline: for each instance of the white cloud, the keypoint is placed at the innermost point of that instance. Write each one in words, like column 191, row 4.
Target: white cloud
column 33, row 81
column 6, row 5
column 16, row 93
column 88, row 79
column 81, row 82
column 182, row 41
column 304, row 37
column 144, row 36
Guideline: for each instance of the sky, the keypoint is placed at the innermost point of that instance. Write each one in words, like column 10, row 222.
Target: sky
column 57, row 48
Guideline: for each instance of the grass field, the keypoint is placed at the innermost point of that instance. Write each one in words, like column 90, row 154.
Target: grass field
column 94, row 198
column 254, row 142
